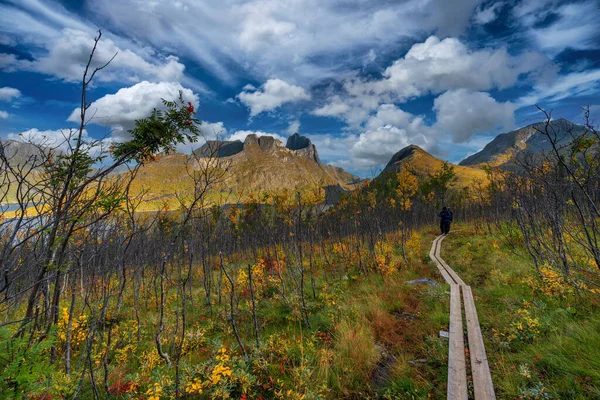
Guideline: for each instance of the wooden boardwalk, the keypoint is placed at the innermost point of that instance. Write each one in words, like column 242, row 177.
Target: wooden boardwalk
column 457, row 368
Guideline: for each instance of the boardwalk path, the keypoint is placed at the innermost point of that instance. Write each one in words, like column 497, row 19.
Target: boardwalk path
column 457, row 369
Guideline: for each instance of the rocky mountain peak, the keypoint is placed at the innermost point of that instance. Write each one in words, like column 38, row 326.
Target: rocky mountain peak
column 403, row 154
column 506, row 147
column 303, row 146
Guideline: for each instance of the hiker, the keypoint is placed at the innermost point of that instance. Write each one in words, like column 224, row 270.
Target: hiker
column 445, row 220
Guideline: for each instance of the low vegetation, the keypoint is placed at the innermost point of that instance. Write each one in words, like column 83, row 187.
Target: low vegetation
column 276, row 297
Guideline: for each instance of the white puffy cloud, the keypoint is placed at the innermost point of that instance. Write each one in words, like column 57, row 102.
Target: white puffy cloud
column 3, row 114
column 208, row 131
column 432, row 67
column 464, row 113
column 435, row 66
column 9, row 93
column 121, row 109
column 334, row 108
column 68, row 53
column 387, row 132
column 485, row 15
column 273, row 94
column 241, row 135
column 384, row 133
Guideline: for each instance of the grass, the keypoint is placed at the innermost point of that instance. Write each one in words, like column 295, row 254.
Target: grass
column 539, row 345
column 369, row 334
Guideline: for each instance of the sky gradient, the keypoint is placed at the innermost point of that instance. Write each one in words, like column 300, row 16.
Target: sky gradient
column 361, row 78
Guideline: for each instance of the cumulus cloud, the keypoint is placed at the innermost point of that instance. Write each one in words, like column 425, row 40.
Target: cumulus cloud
column 334, row 108
column 9, row 93
column 121, row 109
column 208, row 131
column 241, row 135
column 384, row 133
column 68, row 53
column 387, row 132
column 435, row 66
column 463, row 113
column 485, row 15
column 3, row 114
column 273, row 94
column 432, row 67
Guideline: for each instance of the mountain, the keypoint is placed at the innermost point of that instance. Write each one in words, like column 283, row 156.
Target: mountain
column 255, row 166
column 22, row 153
column 509, row 147
column 421, row 163
column 21, row 156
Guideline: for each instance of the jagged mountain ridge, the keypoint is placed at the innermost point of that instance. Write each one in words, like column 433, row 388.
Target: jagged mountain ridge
column 256, row 165
column 508, row 147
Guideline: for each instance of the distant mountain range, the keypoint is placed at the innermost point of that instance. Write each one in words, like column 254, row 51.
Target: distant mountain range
column 508, row 148
column 264, row 164
column 257, row 165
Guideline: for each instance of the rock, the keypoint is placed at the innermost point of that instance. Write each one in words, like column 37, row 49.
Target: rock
column 251, row 140
column 444, row 334
column 303, row 146
column 268, row 143
column 405, row 315
column 382, row 372
column 419, row 361
column 423, row 281
column 219, row 148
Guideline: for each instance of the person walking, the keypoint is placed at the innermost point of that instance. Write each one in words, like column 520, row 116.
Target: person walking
column 445, row 220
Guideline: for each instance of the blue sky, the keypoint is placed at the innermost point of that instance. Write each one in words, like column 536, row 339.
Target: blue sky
column 361, row 78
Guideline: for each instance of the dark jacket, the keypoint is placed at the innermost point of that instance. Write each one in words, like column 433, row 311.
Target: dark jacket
column 446, row 216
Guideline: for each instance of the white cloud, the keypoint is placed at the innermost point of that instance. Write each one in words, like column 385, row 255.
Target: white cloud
column 464, row 113
column 208, row 131
column 241, row 135
column 334, row 108
column 435, row 66
column 273, row 94
column 61, row 139
column 571, row 85
column 68, row 53
column 293, row 128
column 576, row 28
column 290, row 39
column 121, row 109
column 575, row 25
column 8, row 93
column 485, row 15
column 4, row 114
column 387, row 132
column 7, row 61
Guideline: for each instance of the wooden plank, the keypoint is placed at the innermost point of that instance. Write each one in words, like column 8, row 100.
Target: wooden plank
column 457, row 369
column 480, row 370
column 432, row 254
column 451, row 272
